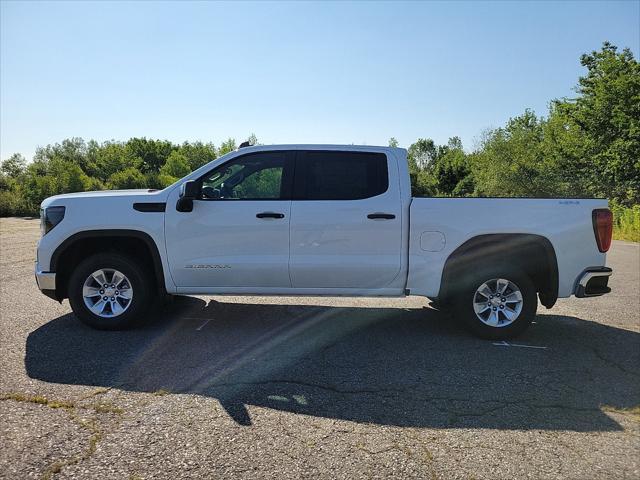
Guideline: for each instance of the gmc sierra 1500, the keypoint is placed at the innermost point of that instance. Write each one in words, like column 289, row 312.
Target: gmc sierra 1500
column 319, row 220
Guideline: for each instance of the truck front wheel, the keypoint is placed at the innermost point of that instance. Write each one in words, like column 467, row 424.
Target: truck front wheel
column 109, row 291
column 496, row 304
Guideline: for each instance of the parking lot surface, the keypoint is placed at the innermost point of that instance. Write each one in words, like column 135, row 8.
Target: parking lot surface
column 248, row 387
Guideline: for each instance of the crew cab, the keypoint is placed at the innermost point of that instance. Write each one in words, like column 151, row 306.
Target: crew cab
column 319, row 220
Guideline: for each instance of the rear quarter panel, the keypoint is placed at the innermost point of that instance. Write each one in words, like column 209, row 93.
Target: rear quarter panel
column 443, row 224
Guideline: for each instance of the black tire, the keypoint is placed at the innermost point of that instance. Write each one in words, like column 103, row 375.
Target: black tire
column 464, row 300
column 141, row 284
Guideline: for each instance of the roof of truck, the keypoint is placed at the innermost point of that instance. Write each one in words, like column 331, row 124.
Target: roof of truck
column 319, row 146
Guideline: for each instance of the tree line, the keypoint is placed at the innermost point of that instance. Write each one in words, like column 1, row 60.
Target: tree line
column 585, row 146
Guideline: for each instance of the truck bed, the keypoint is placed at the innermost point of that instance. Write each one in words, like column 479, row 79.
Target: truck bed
column 440, row 225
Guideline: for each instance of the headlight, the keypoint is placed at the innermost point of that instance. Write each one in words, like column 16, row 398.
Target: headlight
column 50, row 217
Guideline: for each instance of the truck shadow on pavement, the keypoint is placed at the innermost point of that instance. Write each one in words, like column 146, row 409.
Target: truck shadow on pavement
column 388, row 366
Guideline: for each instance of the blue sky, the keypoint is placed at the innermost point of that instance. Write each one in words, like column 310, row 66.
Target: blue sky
column 290, row 72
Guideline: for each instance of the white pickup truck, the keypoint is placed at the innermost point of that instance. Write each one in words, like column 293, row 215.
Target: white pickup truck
column 319, row 220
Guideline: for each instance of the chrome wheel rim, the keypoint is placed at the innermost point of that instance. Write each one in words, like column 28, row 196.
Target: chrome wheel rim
column 107, row 293
column 498, row 302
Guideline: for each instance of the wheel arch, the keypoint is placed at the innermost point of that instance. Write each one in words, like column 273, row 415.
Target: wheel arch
column 534, row 254
column 76, row 247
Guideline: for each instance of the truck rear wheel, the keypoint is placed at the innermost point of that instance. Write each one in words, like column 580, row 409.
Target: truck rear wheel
column 496, row 304
column 109, row 291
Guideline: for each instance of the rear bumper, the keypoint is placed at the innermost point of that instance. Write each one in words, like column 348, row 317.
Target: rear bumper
column 593, row 282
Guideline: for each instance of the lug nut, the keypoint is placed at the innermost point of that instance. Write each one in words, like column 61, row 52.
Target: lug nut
column 494, row 309
column 113, row 286
column 105, row 298
column 501, row 306
column 117, row 292
column 106, row 286
column 503, row 299
column 113, row 299
column 101, row 292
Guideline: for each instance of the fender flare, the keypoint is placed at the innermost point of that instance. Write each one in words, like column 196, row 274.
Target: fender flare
column 122, row 233
column 547, row 278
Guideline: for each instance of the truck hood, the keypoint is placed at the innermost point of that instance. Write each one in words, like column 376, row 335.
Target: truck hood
column 60, row 199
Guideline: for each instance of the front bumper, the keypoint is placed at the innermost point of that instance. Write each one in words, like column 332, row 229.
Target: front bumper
column 47, row 283
column 593, row 282
column 46, row 280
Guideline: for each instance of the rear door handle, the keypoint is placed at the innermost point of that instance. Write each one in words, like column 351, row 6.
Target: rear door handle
column 270, row 215
column 381, row 216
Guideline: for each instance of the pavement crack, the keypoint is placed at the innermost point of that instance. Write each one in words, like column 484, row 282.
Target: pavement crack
column 92, row 425
column 606, row 360
column 330, row 388
column 499, row 404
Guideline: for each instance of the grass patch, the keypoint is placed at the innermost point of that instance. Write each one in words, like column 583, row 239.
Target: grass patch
column 634, row 412
column 106, row 407
column 161, row 392
column 626, row 222
column 101, row 407
column 37, row 399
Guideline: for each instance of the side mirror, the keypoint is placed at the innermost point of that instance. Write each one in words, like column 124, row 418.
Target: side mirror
column 189, row 191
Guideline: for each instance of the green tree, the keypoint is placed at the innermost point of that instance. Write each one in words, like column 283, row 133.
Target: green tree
column 14, row 166
column 253, row 140
column 127, row 178
column 451, row 170
column 227, row 146
column 602, row 140
column 46, row 178
column 511, row 161
column 423, row 153
column 198, row 153
column 113, row 157
column 176, row 166
column 152, row 153
column 420, row 156
column 72, row 150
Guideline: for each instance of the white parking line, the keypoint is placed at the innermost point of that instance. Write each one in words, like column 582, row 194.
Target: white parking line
column 507, row 344
column 201, row 326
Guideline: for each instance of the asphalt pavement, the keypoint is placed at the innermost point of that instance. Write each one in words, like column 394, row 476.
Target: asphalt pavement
column 251, row 387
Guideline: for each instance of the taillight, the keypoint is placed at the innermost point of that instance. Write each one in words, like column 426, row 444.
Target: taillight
column 603, row 228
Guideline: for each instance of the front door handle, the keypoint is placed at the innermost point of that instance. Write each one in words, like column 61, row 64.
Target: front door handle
column 381, row 216
column 269, row 215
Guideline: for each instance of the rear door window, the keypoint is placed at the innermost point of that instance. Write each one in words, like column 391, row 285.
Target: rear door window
column 334, row 175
